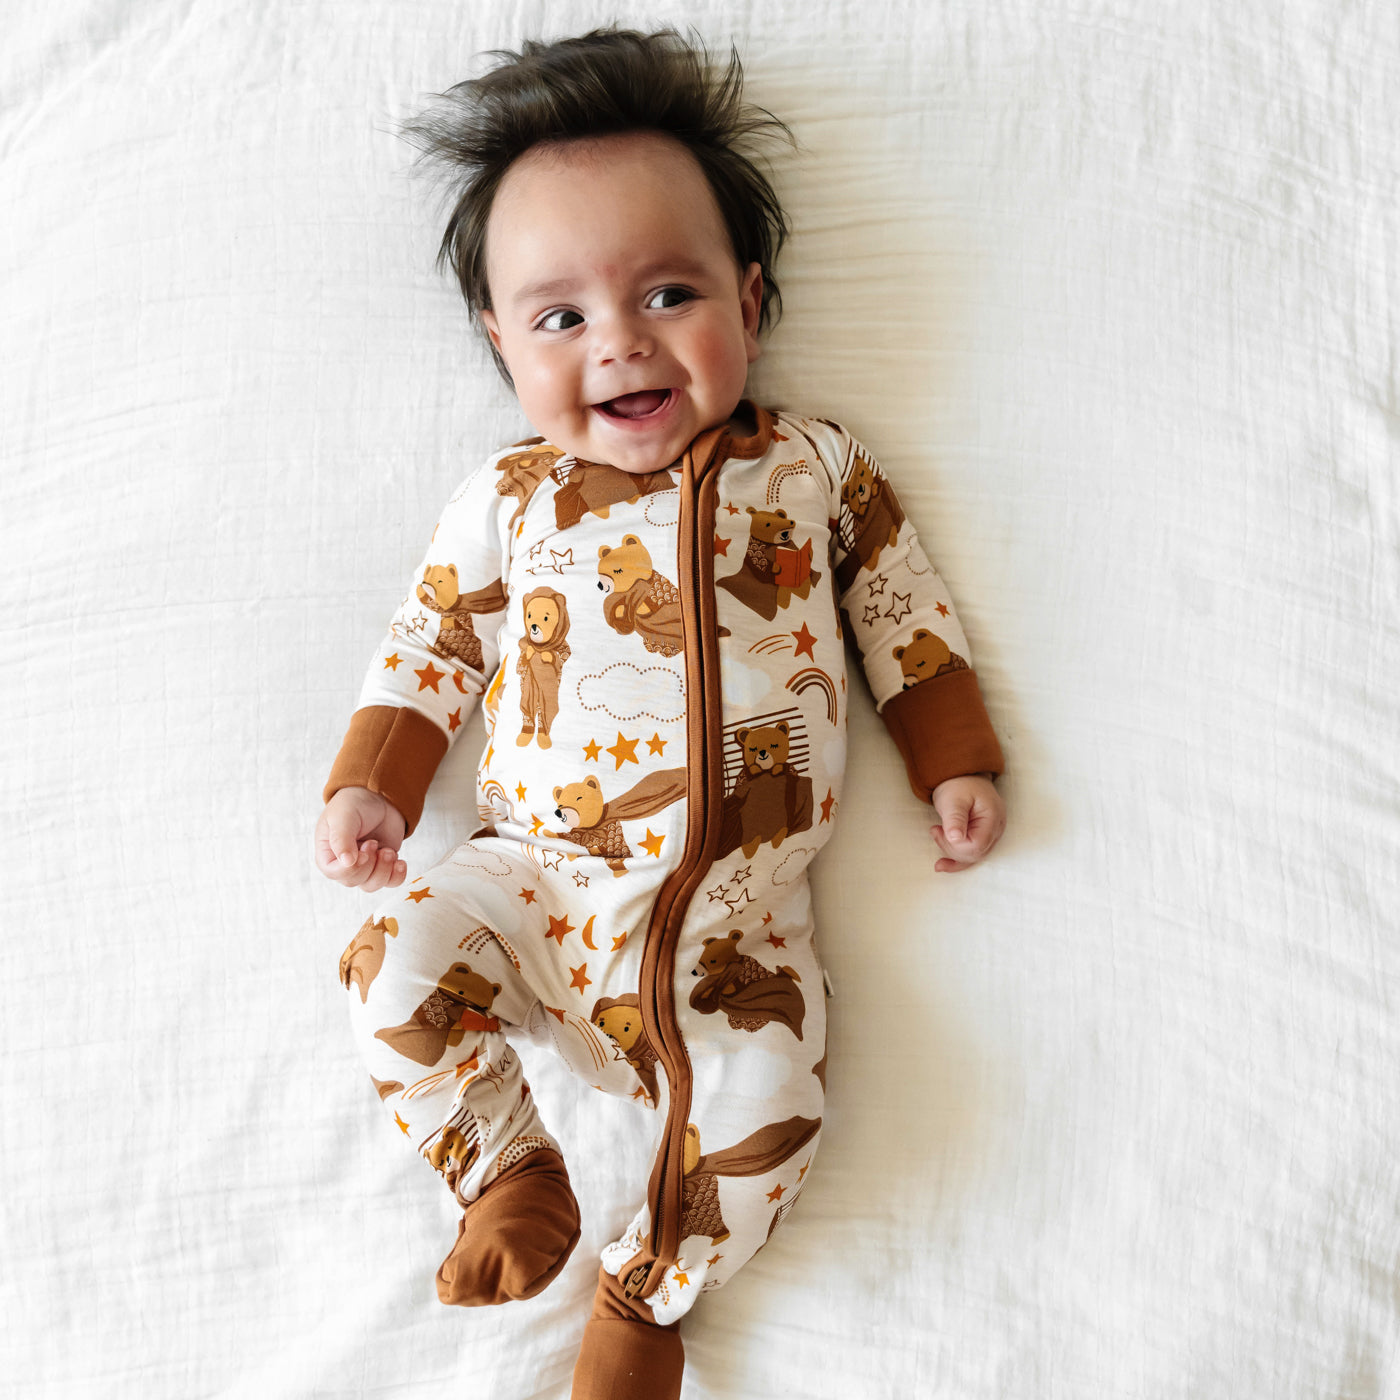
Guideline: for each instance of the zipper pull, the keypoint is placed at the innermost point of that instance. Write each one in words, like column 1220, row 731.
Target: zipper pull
column 634, row 1286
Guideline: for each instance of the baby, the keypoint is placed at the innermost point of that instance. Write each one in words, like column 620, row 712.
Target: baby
column 651, row 599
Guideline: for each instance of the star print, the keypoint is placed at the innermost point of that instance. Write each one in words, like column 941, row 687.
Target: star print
column 559, row 560
column 872, row 615
column 776, row 941
column 429, row 677
column 403, row 1127
column 744, row 873
column 803, row 1172
column 901, row 608
column 556, row 1013
column 776, row 1194
column 805, row 642
column 682, row 1280
column 535, row 549
column 767, row 919
column 722, row 546
column 652, row 845
column 717, row 893
column 418, row 896
column 731, row 508
column 581, row 978
column 625, row 750
column 392, row 663
column 419, row 622
column 827, row 804
column 877, row 585
column 558, row 928
column 581, row 880
column 528, row 896
column 454, row 721
column 591, row 750
column 743, row 897
column 535, row 824
column 942, row 609
column 619, row 941
column 552, row 860
column 656, row 744
column 713, row 1260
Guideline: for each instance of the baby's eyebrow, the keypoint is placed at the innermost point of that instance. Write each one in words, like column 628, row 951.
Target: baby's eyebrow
column 676, row 269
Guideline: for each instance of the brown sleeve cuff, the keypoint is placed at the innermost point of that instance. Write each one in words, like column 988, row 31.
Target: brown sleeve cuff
column 941, row 729
column 392, row 752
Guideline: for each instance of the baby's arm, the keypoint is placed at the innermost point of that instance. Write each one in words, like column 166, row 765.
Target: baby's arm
column 428, row 673
column 915, row 655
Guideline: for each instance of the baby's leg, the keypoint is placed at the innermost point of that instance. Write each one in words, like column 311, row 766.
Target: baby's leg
column 435, row 990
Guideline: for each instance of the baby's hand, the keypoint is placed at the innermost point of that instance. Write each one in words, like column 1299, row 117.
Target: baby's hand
column 358, row 839
column 973, row 817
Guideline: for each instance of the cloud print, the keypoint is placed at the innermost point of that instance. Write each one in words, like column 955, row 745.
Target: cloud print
column 626, row 692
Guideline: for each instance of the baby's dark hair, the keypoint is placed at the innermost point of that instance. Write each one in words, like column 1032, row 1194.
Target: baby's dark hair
column 604, row 82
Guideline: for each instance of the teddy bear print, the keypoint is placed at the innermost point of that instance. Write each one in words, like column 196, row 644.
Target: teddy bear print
column 461, row 1001
column 877, row 515
column 772, row 800
column 361, row 961
column 746, row 991
column 620, row 1018
column 456, row 639
column 925, row 657
column 453, row 1153
column 594, row 823
column 522, row 472
column 543, row 652
column 597, row 487
column 774, row 568
column 756, row 1155
column 638, row 599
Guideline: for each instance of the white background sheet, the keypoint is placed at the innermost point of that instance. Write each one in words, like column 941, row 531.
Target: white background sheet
column 1110, row 286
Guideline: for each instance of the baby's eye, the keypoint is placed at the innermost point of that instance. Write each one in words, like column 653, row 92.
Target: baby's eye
column 560, row 320
column 668, row 297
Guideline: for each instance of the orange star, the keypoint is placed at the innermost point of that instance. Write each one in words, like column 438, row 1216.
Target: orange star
column 652, row 845
column 656, row 744
column 520, row 791
column 827, row 804
column 429, row 677
column 722, row 546
column 713, row 1260
column 768, row 918
column 682, row 1279
column 619, row 941
column 731, row 508
column 558, row 928
column 581, row 979
column 805, row 642
column 624, row 751
column 418, row 896
column 528, row 896
column 535, row 824
column 942, row 609
column 590, row 750
column 392, row 663
column 403, row 1127
column 776, row 941
column 803, row 1172
column 454, row 721
column 556, row 1013
column 776, row 1194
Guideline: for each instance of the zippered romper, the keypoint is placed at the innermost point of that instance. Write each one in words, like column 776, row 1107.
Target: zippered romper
column 662, row 665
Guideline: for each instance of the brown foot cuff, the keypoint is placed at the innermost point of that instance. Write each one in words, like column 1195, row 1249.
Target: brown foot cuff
column 625, row 1355
column 628, row 1361
column 515, row 1237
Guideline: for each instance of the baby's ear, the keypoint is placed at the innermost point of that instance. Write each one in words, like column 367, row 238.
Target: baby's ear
column 750, row 308
column 493, row 327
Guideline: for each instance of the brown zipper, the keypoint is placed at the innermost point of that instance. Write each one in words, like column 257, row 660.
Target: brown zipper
column 695, row 579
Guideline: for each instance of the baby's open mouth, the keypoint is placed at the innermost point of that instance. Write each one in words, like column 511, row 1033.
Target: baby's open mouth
column 642, row 404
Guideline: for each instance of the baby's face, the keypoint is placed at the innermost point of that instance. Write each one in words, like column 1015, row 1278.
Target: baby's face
column 616, row 301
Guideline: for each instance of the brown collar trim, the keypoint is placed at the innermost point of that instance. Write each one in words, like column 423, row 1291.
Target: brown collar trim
column 755, row 445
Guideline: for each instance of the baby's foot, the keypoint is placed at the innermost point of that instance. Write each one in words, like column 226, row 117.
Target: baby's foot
column 514, row 1239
